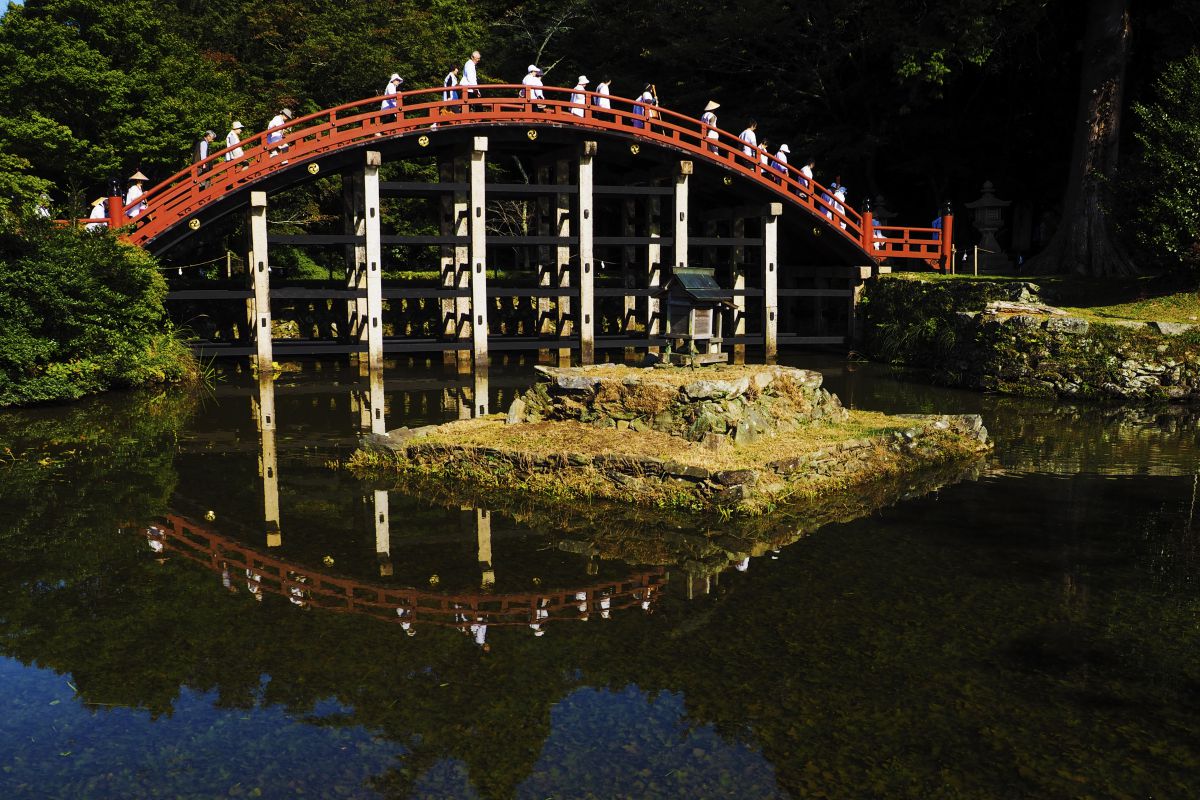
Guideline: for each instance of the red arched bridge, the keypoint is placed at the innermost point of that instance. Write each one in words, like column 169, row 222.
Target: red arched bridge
column 182, row 199
column 626, row 187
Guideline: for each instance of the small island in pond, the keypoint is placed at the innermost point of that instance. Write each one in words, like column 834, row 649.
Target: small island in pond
column 743, row 439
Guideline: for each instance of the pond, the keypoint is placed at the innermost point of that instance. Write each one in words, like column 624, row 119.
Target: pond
column 194, row 604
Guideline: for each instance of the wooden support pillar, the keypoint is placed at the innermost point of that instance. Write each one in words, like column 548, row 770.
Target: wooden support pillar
column 455, row 260
column 585, row 315
column 628, row 279
column 737, row 274
column 383, row 533
column 854, row 322
column 354, row 223
column 562, row 225
column 483, row 533
column 260, row 268
column 547, row 267
column 268, row 459
column 378, row 422
column 479, row 395
column 374, row 253
column 477, row 232
column 654, row 269
column 770, row 260
column 680, row 219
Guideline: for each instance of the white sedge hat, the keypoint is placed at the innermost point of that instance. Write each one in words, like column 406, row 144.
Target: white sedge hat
column 583, row 79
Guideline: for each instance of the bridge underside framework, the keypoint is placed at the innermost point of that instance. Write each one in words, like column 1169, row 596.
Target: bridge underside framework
column 608, row 212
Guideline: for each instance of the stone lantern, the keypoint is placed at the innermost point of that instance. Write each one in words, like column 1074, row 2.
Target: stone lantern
column 989, row 219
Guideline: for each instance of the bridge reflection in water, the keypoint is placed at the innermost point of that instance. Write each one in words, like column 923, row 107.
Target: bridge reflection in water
column 263, row 569
column 306, row 586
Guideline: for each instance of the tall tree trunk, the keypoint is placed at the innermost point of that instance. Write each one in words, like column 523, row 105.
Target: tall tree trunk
column 1083, row 242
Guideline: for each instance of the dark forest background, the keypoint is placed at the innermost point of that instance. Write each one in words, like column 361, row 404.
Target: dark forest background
column 917, row 101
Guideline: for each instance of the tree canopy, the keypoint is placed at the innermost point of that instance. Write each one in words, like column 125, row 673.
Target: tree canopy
column 917, row 101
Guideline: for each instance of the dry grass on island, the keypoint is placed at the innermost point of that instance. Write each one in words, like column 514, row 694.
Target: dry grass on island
column 742, row 439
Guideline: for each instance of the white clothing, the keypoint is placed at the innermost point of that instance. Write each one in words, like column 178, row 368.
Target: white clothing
column 578, row 99
column 203, row 149
column 233, row 140
column 480, row 631
column 450, row 81
column 98, row 212
column 135, row 191
column 533, row 87
column 709, row 119
column 390, row 90
column 273, row 136
column 603, row 101
column 751, row 141
column 781, row 158
column 468, row 74
column 839, row 195
column 742, row 565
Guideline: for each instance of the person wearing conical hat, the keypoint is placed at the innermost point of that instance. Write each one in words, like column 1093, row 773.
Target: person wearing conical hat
column 133, row 193
column 98, row 212
column 708, row 123
column 579, row 95
column 234, row 139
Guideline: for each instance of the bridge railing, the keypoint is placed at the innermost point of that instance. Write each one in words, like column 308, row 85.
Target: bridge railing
column 307, row 138
column 305, row 586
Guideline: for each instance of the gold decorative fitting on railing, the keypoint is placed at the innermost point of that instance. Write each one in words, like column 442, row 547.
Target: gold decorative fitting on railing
column 314, row 168
column 728, row 181
column 635, row 148
column 423, row 141
column 194, row 224
column 532, row 134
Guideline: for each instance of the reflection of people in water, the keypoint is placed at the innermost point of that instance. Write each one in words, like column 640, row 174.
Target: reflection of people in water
column 226, row 578
column 479, row 631
column 540, row 613
column 297, row 594
column 583, row 606
column 254, row 584
column 405, row 616
column 742, row 565
column 154, row 538
column 645, row 597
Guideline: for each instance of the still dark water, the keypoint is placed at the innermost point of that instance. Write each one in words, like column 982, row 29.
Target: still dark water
column 1030, row 632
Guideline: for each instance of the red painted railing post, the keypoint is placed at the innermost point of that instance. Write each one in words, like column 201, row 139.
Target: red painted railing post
column 868, row 225
column 947, row 254
column 116, row 208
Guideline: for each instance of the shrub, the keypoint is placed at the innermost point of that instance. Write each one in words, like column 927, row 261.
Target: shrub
column 80, row 312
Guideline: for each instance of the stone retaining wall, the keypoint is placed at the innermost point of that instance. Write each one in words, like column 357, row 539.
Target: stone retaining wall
column 996, row 336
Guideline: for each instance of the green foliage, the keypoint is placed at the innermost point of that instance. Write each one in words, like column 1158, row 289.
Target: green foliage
column 913, row 322
column 90, row 91
column 83, row 313
column 1166, row 178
